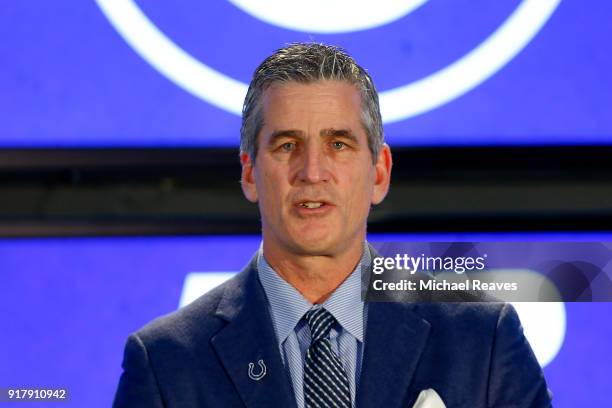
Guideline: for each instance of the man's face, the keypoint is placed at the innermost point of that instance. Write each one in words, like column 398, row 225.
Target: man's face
column 313, row 176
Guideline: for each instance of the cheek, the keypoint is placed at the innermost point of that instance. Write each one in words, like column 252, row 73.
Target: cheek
column 271, row 192
column 363, row 183
column 360, row 195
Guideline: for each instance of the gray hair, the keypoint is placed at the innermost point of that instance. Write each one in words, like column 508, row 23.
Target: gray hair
column 306, row 63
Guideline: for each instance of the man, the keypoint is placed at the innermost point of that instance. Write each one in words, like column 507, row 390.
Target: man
column 291, row 329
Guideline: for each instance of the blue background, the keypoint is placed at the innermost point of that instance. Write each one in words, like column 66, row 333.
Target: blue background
column 68, row 305
column 68, row 79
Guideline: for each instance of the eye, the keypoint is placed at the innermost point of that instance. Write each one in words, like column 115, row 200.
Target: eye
column 288, row 146
column 337, row 145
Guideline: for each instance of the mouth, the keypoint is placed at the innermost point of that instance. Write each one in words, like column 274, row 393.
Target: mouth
column 308, row 206
column 311, row 204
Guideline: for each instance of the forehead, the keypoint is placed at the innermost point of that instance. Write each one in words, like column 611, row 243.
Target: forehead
column 292, row 103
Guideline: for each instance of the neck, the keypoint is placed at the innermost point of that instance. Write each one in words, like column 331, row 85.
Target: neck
column 316, row 277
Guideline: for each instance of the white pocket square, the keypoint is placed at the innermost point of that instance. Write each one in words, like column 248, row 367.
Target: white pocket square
column 429, row 398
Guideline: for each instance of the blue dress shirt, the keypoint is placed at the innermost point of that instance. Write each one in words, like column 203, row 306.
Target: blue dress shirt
column 288, row 306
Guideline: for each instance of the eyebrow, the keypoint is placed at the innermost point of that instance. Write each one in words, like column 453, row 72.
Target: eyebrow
column 279, row 134
column 343, row 133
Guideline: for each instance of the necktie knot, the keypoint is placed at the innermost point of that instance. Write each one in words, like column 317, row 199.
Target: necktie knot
column 320, row 322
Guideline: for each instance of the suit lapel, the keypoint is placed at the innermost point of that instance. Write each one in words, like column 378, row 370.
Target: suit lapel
column 395, row 338
column 248, row 338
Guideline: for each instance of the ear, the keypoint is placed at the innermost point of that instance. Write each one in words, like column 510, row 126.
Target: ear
column 382, row 179
column 247, row 179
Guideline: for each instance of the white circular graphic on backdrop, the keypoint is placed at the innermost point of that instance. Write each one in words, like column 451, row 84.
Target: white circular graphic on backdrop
column 544, row 325
column 327, row 16
column 396, row 104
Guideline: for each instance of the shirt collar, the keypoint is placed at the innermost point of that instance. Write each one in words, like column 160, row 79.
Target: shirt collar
column 288, row 306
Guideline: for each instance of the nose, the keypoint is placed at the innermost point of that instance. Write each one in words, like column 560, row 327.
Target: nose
column 314, row 166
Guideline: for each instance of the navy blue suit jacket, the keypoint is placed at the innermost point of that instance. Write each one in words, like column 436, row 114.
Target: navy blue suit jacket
column 471, row 354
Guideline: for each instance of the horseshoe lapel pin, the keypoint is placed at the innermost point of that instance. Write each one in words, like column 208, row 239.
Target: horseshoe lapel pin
column 262, row 371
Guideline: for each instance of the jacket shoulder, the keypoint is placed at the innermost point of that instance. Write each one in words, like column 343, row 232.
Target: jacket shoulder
column 479, row 321
column 197, row 319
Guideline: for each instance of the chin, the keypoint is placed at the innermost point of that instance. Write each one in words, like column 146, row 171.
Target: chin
column 315, row 245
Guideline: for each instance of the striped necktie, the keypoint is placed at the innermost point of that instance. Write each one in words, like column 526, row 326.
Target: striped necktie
column 325, row 381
